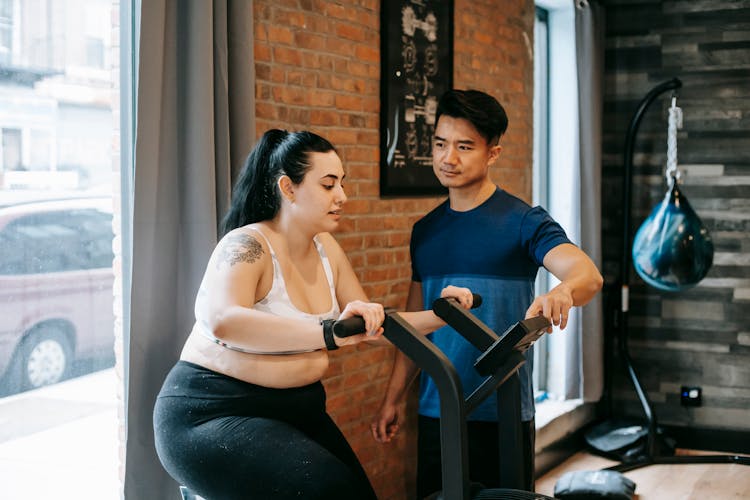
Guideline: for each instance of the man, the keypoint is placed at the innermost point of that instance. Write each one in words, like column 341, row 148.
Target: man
column 493, row 243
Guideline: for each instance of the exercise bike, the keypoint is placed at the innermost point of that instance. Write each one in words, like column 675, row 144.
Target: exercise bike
column 499, row 361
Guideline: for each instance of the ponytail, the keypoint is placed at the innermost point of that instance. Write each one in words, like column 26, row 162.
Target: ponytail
column 256, row 196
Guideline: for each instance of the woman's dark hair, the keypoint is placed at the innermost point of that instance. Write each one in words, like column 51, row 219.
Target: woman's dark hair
column 480, row 109
column 256, row 196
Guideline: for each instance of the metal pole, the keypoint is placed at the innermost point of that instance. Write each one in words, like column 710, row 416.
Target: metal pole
column 635, row 122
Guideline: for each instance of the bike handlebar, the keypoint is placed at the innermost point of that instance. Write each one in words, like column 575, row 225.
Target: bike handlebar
column 356, row 324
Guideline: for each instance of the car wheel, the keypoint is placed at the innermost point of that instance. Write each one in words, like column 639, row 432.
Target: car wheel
column 45, row 358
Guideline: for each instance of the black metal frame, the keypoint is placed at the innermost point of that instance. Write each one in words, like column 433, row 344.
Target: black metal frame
column 652, row 453
column 501, row 357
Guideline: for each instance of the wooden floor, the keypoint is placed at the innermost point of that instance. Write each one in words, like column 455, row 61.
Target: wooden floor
column 661, row 482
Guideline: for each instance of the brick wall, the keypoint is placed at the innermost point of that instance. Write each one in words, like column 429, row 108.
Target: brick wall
column 318, row 67
column 700, row 336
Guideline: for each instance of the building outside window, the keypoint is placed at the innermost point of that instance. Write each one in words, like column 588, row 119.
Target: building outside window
column 58, row 390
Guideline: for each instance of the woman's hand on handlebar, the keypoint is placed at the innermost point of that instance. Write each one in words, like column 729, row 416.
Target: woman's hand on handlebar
column 373, row 315
column 462, row 295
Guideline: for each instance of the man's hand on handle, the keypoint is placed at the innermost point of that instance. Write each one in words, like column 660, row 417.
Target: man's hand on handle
column 555, row 306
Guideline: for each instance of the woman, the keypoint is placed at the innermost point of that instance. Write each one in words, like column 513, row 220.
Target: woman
column 242, row 414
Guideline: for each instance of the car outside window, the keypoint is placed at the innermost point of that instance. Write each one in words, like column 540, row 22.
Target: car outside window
column 57, row 241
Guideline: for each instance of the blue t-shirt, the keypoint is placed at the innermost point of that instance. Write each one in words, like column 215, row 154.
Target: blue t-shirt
column 495, row 250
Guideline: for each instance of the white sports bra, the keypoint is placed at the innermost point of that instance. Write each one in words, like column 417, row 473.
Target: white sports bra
column 277, row 301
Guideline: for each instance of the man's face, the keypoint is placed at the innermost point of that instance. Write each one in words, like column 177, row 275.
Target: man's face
column 461, row 157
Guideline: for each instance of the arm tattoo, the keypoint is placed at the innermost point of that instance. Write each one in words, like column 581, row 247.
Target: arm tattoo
column 239, row 248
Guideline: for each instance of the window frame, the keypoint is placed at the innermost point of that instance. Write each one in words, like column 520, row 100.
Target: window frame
column 540, row 182
column 556, row 142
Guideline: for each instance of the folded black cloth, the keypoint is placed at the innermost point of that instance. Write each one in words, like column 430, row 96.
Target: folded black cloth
column 594, row 485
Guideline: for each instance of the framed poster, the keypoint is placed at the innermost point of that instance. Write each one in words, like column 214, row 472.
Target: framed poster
column 416, row 68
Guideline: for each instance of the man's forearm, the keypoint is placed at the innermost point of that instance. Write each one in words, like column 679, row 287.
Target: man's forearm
column 583, row 285
column 578, row 275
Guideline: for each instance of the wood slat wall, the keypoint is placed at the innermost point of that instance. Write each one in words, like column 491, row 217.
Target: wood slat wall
column 700, row 336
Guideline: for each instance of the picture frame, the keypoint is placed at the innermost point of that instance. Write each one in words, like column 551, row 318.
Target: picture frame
column 416, row 69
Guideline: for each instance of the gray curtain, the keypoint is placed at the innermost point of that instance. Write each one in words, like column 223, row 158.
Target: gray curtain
column 194, row 125
column 589, row 22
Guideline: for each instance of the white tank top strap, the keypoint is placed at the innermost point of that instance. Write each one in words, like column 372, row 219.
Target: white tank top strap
column 270, row 248
column 326, row 267
column 278, row 292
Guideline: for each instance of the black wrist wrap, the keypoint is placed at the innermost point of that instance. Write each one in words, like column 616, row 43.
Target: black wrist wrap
column 328, row 334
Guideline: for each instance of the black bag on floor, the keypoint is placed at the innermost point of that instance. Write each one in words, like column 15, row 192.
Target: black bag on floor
column 594, row 485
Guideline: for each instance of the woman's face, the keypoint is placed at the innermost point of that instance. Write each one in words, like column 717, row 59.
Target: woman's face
column 318, row 199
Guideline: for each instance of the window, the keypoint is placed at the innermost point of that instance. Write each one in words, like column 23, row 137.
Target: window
column 58, row 156
column 555, row 157
column 94, row 52
column 11, row 159
column 541, row 169
column 40, row 152
column 6, row 31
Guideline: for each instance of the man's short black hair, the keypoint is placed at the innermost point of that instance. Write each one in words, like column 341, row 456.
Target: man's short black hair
column 480, row 109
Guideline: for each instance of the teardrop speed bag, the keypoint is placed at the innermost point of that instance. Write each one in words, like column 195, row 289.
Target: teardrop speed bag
column 672, row 249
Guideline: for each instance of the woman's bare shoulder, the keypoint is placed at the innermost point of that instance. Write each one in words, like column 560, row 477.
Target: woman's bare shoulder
column 331, row 245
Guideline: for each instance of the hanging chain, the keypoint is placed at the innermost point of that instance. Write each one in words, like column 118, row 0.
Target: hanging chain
column 675, row 122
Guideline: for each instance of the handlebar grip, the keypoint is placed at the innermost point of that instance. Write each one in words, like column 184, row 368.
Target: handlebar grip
column 349, row 326
column 356, row 324
column 476, row 300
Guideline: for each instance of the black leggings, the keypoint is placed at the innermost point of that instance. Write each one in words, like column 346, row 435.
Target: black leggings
column 226, row 439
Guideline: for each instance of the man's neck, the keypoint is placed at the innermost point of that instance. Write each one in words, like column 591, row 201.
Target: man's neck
column 470, row 197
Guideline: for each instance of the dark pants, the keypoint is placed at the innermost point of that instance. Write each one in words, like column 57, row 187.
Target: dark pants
column 229, row 440
column 483, row 455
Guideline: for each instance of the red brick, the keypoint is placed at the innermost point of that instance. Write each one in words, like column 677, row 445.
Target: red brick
column 349, row 102
column 349, row 138
column 286, row 55
column 261, row 52
column 310, row 41
column 357, row 207
column 321, row 98
column 349, row 31
column 324, row 117
column 366, row 53
column 363, row 153
column 340, row 47
column 279, row 34
column 302, row 78
column 285, row 17
column 355, row 171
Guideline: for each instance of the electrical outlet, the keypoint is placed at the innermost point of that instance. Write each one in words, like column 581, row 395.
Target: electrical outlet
column 691, row 395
